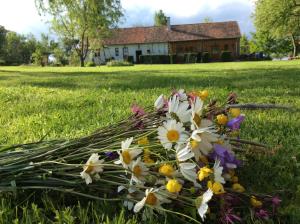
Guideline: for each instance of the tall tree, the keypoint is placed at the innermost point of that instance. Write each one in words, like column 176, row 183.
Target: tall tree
column 280, row 19
column 160, row 19
column 82, row 21
column 244, row 45
column 207, row 19
column 3, row 32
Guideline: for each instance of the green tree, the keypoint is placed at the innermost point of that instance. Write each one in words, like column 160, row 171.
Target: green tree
column 207, row 19
column 280, row 19
column 160, row 18
column 244, row 45
column 3, row 32
column 83, row 22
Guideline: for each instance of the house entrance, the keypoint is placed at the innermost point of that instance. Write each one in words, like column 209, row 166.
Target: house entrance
column 137, row 55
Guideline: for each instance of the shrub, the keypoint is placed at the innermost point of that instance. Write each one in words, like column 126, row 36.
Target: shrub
column 205, row 57
column 114, row 63
column 155, row 59
column 129, row 59
column 226, row 56
column 2, row 62
column 90, row 64
column 190, row 58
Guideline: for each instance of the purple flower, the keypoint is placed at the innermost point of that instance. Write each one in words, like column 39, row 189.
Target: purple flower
column 112, row 155
column 276, row 201
column 227, row 158
column 231, row 218
column 138, row 111
column 263, row 214
column 235, row 123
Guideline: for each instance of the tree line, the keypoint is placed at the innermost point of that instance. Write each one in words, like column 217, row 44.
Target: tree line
column 81, row 25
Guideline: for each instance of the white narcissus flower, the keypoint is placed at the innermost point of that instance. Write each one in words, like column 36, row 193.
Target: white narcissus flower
column 172, row 132
column 202, row 140
column 204, row 199
column 160, row 102
column 181, row 95
column 188, row 171
column 127, row 154
column 93, row 166
column 218, row 172
column 152, row 198
column 183, row 154
column 178, row 110
column 139, row 171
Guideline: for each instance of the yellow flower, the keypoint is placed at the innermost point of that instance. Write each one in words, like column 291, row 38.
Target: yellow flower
column 238, row 188
column 222, row 119
column 234, row 179
column 143, row 141
column 173, row 186
column 235, row 112
column 203, row 94
column 254, row 202
column 204, row 172
column 216, row 187
column 166, row 170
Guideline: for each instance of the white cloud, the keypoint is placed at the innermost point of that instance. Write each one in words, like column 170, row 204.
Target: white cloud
column 21, row 16
column 179, row 8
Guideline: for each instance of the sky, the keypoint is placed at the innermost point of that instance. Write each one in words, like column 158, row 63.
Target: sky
column 21, row 15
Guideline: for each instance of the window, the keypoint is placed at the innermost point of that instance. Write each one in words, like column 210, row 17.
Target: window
column 215, row 49
column 148, row 51
column 226, row 47
column 117, row 52
column 125, row 51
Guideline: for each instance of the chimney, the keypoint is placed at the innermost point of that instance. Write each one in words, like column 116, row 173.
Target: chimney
column 168, row 23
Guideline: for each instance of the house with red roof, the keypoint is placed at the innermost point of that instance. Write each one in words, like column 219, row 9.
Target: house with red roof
column 212, row 37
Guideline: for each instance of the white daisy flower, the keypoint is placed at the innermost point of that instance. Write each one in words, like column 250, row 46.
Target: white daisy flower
column 201, row 141
column 139, row 171
column 196, row 109
column 127, row 154
column 183, row 154
column 181, row 95
column 204, row 199
column 152, row 198
column 160, row 101
column 93, row 166
column 218, row 172
column 188, row 171
column 178, row 110
column 170, row 133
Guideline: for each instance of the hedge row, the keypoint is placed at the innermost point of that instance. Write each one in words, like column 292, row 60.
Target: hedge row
column 182, row 59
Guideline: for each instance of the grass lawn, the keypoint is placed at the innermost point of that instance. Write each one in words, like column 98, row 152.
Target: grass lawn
column 71, row 102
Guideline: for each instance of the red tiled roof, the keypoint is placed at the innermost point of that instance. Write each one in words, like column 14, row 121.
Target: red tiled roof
column 159, row 34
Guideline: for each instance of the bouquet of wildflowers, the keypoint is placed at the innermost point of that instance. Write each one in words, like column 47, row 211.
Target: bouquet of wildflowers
column 182, row 157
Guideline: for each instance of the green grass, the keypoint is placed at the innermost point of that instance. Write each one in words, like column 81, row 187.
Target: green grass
column 71, row 102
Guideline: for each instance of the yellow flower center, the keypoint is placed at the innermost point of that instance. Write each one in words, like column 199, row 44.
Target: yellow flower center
column 89, row 168
column 194, row 144
column 204, row 172
column 197, row 119
column 216, row 187
column 166, row 170
column 203, row 159
column 126, row 157
column 222, row 119
column 173, row 186
column 173, row 135
column 235, row 112
column 151, row 199
column 137, row 171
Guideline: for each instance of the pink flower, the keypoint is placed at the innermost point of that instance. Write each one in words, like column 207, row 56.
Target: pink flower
column 137, row 111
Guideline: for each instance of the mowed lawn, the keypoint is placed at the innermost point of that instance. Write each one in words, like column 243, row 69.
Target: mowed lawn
column 71, row 102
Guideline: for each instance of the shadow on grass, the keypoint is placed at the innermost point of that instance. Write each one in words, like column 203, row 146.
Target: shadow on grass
column 150, row 79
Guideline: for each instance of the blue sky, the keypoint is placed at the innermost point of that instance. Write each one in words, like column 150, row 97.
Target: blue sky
column 21, row 15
